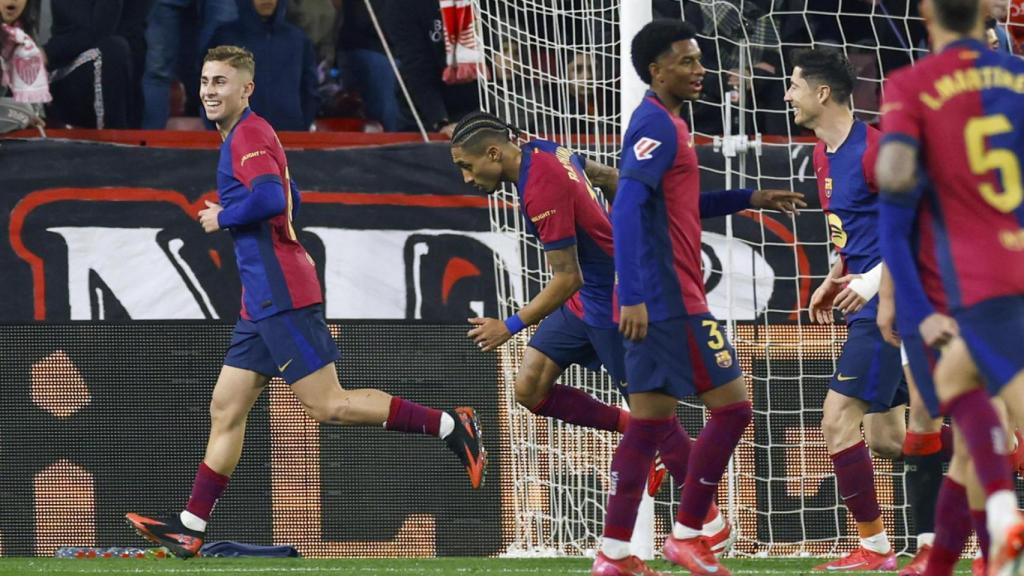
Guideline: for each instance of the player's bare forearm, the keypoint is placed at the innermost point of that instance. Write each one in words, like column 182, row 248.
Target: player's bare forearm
column 565, row 281
column 835, row 271
column 604, row 177
column 896, row 167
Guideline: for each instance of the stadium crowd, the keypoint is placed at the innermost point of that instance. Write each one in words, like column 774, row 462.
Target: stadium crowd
column 134, row 63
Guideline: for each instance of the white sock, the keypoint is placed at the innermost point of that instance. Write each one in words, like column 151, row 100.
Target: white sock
column 447, row 425
column 925, row 539
column 879, row 543
column 1001, row 510
column 680, row 532
column 711, row 528
column 614, row 549
column 192, row 522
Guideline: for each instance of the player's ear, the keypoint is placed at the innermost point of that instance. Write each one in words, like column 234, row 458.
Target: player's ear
column 824, row 93
column 248, row 89
column 494, row 153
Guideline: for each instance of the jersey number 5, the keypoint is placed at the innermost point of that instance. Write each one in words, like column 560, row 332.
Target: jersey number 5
column 982, row 161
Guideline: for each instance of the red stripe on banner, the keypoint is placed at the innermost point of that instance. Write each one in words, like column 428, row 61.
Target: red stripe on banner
column 395, row 199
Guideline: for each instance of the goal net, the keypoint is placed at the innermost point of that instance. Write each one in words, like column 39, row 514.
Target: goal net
column 555, row 72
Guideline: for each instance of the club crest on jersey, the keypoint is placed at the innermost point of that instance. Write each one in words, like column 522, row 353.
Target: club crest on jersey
column 645, row 147
column 723, row 359
column 828, row 187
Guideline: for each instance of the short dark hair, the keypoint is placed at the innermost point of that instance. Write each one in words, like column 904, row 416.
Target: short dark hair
column 655, row 39
column 957, row 15
column 478, row 128
column 827, row 66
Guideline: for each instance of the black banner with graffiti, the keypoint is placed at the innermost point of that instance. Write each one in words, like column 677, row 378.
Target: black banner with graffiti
column 107, row 232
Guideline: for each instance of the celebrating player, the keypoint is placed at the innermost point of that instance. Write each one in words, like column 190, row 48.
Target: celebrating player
column 867, row 387
column 674, row 347
column 281, row 330
column 575, row 309
column 958, row 113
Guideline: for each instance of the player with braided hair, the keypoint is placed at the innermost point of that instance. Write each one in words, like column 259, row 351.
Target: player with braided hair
column 576, row 309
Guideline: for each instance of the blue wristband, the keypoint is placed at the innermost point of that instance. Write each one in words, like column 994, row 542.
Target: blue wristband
column 514, row 324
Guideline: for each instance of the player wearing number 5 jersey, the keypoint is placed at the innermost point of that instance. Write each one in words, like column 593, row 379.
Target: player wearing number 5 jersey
column 281, row 331
column 960, row 114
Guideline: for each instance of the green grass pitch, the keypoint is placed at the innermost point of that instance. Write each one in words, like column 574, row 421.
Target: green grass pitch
column 356, row 567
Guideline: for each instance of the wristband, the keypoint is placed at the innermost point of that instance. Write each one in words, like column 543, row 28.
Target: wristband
column 867, row 285
column 514, row 324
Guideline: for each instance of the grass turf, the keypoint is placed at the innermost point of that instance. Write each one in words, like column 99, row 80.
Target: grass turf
column 360, row 567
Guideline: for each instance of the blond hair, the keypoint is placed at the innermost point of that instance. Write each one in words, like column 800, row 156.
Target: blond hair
column 235, row 56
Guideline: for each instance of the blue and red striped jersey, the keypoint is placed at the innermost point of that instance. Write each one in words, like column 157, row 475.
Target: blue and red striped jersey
column 849, row 197
column 561, row 210
column 964, row 109
column 658, row 153
column 276, row 272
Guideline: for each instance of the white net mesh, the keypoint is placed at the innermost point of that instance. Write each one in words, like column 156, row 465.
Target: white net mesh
column 556, row 74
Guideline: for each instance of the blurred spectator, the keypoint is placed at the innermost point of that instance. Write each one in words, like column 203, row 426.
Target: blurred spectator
column 24, row 83
column 364, row 65
column 96, row 54
column 286, row 78
column 319, row 20
column 178, row 35
column 417, row 39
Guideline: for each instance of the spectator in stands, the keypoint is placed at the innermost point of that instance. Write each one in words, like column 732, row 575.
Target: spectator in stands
column 363, row 62
column 178, row 35
column 24, row 83
column 319, row 19
column 286, row 78
column 96, row 53
column 416, row 36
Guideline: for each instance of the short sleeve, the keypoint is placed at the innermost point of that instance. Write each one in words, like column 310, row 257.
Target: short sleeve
column 548, row 202
column 901, row 114
column 253, row 157
column 649, row 149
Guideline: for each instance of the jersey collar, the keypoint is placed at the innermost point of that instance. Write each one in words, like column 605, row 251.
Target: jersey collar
column 966, row 43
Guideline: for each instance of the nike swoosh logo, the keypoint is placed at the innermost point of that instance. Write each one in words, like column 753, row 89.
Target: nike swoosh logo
column 842, row 378
column 847, row 567
column 706, row 483
column 711, row 569
column 284, row 366
column 845, row 498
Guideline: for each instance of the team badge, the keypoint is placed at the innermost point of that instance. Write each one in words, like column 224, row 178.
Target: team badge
column 828, row 187
column 723, row 359
column 645, row 147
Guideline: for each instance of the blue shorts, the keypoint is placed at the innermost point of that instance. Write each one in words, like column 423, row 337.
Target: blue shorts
column 292, row 344
column 870, row 369
column 681, row 357
column 994, row 332
column 567, row 339
column 922, row 360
